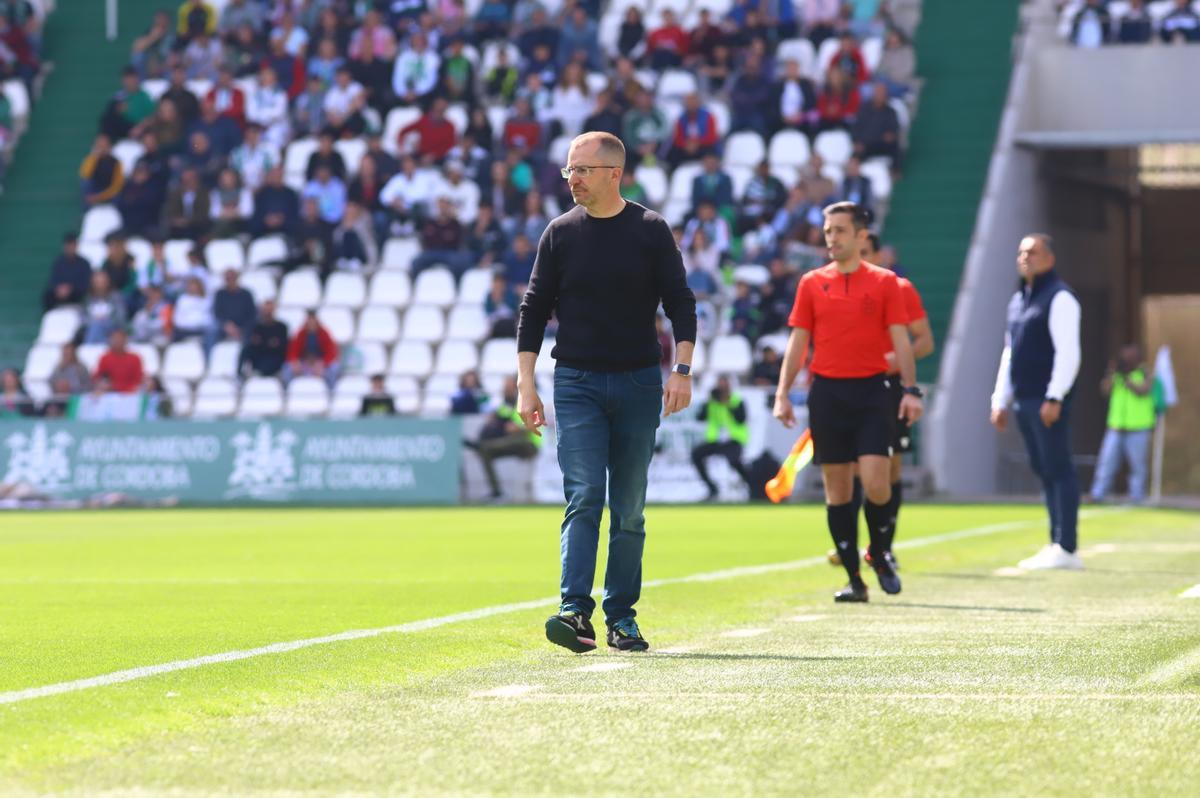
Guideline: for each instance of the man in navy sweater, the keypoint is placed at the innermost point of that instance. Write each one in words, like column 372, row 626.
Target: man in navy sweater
column 1037, row 371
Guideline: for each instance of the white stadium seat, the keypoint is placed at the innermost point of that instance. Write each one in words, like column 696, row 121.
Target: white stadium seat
column 307, row 396
column 456, row 357
column 223, row 359
column 352, row 152
column 654, row 181
column 378, row 323
column 176, row 252
column 398, row 119
column 411, row 359
column 435, row 286
column 879, row 173
column 295, row 161
column 151, row 361
column 224, row 253
column 834, row 146
column 423, row 323
column 292, row 318
column 457, row 115
column 260, row 283
column 544, row 366
column 261, row 396
column 40, row 362
column 872, row 52
column 744, row 148
column 215, row 397
column 474, row 286
column 89, row 354
column 93, row 252
column 372, row 357
column 18, row 98
column 346, row 289
column 266, row 250
column 824, row 56
column 59, row 326
column 398, row 253
column 98, row 222
column 799, row 50
column 731, row 354
column 180, row 392
column 300, row 289
column 127, row 151
column 739, row 178
column 681, row 180
column 676, row 84
column 788, row 148
column 392, row 288
column 183, row 361
column 499, row 356
column 467, row 323
column 752, row 274
column 338, row 321
column 348, row 394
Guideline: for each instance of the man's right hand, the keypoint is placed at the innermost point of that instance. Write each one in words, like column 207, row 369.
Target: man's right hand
column 783, row 410
column 530, row 409
column 999, row 419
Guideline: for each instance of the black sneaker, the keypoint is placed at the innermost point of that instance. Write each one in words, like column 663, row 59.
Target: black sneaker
column 855, row 592
column 885, row 569
column 624, row 635
column 571, row 630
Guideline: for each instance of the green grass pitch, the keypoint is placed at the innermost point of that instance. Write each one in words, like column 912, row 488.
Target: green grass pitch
column 972, row 682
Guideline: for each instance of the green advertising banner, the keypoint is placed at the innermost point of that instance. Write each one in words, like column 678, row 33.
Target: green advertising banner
column 368, row 461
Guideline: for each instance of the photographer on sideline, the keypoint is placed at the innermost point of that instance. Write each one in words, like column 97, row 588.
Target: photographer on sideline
column 725, row 413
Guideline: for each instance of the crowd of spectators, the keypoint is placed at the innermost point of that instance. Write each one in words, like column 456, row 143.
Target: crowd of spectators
column 21, row 23
column 474, row 176
column 1094, row 23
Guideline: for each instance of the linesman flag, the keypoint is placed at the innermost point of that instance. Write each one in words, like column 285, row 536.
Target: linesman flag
column 801, row 454
column 1166, row 394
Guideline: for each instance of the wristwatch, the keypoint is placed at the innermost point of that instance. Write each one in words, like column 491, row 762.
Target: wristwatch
column 682, row 369
column 913, row 390
column 1053, row 400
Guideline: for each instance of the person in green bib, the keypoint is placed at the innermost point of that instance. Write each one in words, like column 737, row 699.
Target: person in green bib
column 725, row 436
column 504, row 435
column 1131, row 419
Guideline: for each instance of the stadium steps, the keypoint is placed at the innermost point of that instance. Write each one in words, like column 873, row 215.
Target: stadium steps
column 964, row 57
column 41, row 195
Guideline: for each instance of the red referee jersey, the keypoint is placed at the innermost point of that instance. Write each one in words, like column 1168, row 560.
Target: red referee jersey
column 913, row 309
column 847, row 316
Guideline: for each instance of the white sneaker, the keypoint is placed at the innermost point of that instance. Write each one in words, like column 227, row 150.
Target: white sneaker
column 1064, row 560
column 1037, row 560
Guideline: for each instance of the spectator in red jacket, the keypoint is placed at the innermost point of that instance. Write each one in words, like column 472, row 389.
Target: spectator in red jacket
column 122, row 368
column 521, row 130
column 695, row 133
column 667, row 46
column 312, row 352
column 849, row 59
column 838, row 102
column 436, row 135
column 227, row 98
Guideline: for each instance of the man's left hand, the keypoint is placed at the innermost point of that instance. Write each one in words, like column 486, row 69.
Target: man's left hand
column 1050, row 412
column 677, row 395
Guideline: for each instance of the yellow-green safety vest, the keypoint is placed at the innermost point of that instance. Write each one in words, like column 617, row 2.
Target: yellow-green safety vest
column 721, row 417
column 1126, row 410
column 509, row 413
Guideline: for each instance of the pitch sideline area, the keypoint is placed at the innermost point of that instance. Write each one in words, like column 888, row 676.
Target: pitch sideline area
column 967, row 682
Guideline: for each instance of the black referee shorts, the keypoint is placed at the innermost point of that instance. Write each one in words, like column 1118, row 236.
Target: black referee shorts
column 901, row 429
column 849, row 418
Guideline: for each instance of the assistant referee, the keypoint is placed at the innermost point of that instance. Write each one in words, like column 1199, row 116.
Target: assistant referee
column 843, row 308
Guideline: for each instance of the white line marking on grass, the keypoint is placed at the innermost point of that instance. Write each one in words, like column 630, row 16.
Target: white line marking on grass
column 674, row 650
column 744, row 632
column 1010, row 570
column 1191, row 592
column 508, row 691
column 601, row 667
column 1174, row 670
column 805, row 618
column 744, row 695
column 147, row 671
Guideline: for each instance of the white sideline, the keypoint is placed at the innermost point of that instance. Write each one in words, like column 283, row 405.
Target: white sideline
column 1191, row 592
column 1174, row 670
column 146, row 671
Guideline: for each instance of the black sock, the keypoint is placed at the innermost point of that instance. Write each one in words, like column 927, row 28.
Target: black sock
column 879, row 520
column 856, row 498
column 843, row 528
column 894, row 508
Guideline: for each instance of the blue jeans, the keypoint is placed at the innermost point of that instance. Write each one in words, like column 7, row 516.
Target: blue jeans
column 606, row 428
column 1050, row 458
column 1133, row 444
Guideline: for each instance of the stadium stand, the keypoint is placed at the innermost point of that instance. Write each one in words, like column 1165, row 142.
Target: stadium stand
column 309, row 152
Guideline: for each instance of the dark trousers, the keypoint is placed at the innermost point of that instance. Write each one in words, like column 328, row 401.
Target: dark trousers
column 730, row 450
column 1050, row 458
column 490, row 450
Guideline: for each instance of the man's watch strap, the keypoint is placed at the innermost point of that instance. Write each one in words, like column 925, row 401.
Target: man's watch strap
column 913, row 390
column 682, row 369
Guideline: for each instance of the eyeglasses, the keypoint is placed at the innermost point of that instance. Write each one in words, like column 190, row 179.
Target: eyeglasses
column 582, row 171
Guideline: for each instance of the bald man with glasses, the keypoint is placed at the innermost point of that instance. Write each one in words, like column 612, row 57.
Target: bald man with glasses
column 604, row 266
